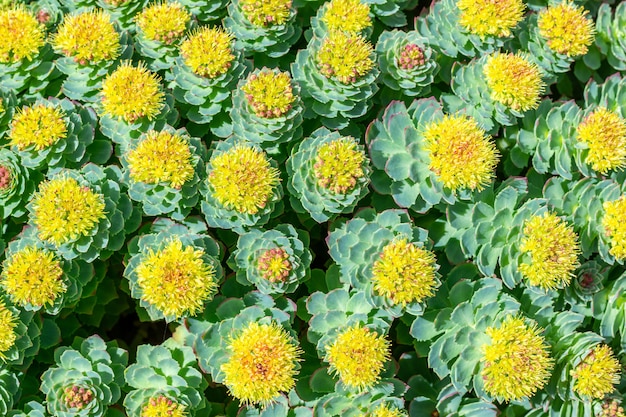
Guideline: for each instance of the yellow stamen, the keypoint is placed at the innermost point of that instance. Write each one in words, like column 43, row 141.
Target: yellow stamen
column 347, row 57
column 598, row 373
column 39, row 126
column 269, row 93
column 208, row 52
column 566, row 28
column 604, row 131
column 8, row 323
column 163, row 22
column 22, row 35
column 163, row 407
column 347, row 15
column 490, row 17
column 266, row 12
column 614, row 223
column 339, row 164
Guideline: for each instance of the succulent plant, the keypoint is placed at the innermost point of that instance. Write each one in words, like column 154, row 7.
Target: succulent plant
column 328, row 175
column 164, row 379
column 390, row 12
column 243, row 187
column 17, row 185
column 163, row 170
column 84, row 214
column 414, row 159
column 31, row 409
column 8, row 104
column 353, row 16
column 9, row 386
column 20, row 332
column 276, row 261
column 173, row 271
column 608, row 26
column 337, row 77
column 86, row 379
column 206, row 11
column 123, row 11
column 384, row 399
column 608, row 309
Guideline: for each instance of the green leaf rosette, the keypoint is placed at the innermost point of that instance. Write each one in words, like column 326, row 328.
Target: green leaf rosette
column 86, row 379
column 84, row 214
column 123, row 11
column 391, row 12
column 609, row 309
column 407, row 63
column 9, row 386
column 163, row 171
column 31, row 409
column 242, row 189
column 174, row 270
column 609, row 24
column 165, row 374
column 328, row 175
column 206, row 11
column 17, row 185
column 21, row 331
column 8, row 104
column 276, row 261
column 386, row 398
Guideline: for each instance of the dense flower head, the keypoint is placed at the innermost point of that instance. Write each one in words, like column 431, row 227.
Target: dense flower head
column 611, row 408
column 344, row 56
column 513, row 81
column 384, row 410
column 274, row 265
column 63, row 210
column 506, row 370
column 265, row 13
column 163, row 22
column 405, row 273
column 33, row 276
column 163, row 407
column 22, row 35
column 614, row 223
column 462, row 155
column 243, row 179
column 39, row 125
column 6, row 178
column 88, row 37
column 77, row 397
column 176, row 280
column 339, row 164
column 411, row 56
column 347, row 15
column 553, row 247
column 8, row 323
column 262, row 364
column 161, row 157
column 597, row 374
column 208, row 51
column 490, row 17
column 604, row 132
column 566, row 28
column 269, row 93
column 358, row 356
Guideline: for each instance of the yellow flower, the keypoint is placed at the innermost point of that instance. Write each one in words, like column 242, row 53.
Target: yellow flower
column 462, row 155
column 6, row 178
column 339, row 164
column 242, row 179
column 614, row 223
column 39, row 126
column 8, row 323
column 347, row 15
column 566, row 28
column 176, row 280
column 383, row 410
column 33, row 276
column 262, row 364
column 163, row 22
column 345, row 56
column 405, row 273
column 506, row 371
column 77, row 397
column 208, row 51
column 489, row 17
column 64, row 210
column 163, row 407
column 269, row 93
column 412, row 56
column 553, row 247
column 130, row 93
column 274, row 265
column 162, row 157
column 22, row 35
column 513, row 81
column 597, row 374
column 604, row 131
column 88, row 37
column 611, row 408
column 264, row 13
column 358, row 355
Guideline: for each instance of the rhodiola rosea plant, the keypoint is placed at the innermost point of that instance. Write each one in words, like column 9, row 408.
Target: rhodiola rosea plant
column 312, row 208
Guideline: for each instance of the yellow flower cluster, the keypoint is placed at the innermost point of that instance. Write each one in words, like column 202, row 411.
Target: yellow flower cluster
column 490, row 18
column 269, row 93
column 345, row 56
column 163, row 407
column 614, row 223
column 274, row 265
column 39, row 126
column 163, row 22
column 22, row 35
column 347, row 15
column 8, row 323
column 597, row 374
column 339, row 164
column 513, row 81
column 383, row 410
column 604, row 132
column 566, row 28
column 265, row 13
column 208, row 51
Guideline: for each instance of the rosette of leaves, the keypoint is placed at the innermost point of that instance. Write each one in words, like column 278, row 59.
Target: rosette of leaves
column 407, row 63
column 31, row 409
column 461, row 312
column 204, row 75
column 164, row 377
column 609, row 309
column 206, row 11
column 384, row 399
column 84, row 214
column 8, row 104
column 608, row 26
column 391, row 12
column 610, row 94
column 590, row 278
column 91, row 45
column 275, row 261
column 267, row 109
column 365, row 248
column 17, row 185
column 328, row 175
column 36, row 279
column 9, row 387
column 53, row 134
column 123, row 11
column 174, row 270
column 354, row 16
column 243, row 187
column 337, row 75
column 21, row 335
column 86, row 378
column 163, row 171
column 269, row 31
